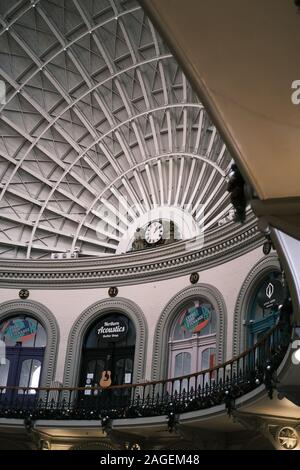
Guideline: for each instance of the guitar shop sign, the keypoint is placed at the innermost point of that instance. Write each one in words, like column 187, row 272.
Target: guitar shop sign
column 112, row 331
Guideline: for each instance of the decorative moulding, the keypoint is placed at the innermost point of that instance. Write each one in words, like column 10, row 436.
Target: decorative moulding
column 127, row 269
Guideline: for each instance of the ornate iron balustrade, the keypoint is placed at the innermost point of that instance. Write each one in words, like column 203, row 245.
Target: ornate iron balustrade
column 219, row 385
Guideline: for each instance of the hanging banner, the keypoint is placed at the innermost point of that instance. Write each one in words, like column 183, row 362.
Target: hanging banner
column 195, row 318
column 19, row 329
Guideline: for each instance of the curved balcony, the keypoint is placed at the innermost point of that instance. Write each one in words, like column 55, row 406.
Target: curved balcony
column 220, row 385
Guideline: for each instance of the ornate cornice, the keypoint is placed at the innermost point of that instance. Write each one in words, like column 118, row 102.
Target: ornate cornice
column 170, row 261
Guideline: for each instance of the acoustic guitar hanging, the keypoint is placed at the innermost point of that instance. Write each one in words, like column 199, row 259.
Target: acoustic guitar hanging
column 105, row 380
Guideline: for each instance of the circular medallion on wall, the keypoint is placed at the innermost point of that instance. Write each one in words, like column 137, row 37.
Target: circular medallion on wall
column 194, row 278
column 113, row 291
column 24, row 294
column 267, row 247
column 287, row 438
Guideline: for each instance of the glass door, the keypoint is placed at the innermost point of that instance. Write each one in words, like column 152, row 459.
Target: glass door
column 23, row 368
column 102, row 368
column 114, row 365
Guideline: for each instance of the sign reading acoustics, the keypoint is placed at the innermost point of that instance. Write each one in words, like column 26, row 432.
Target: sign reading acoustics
column 271, row 294
column 196, row 317
column 112, row 330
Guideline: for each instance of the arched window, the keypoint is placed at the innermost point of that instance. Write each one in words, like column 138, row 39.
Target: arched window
column 263, row 307
column 192, row 340
column 108, row 351
column 24, row 340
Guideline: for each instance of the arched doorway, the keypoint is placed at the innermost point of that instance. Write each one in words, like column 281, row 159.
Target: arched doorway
column 192, row 340
column 25, row 341
column 263, row 307
column 108, row 351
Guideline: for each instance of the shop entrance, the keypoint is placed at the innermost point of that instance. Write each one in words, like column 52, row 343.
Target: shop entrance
column 108, row 353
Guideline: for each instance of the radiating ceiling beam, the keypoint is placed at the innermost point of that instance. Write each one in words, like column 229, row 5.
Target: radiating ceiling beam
column 188, row 183
column 179, row 181
column 204, row 190
column 151, row 185
column 170, row 181
column 161, row 182
column 220, row 214
column 197, row 185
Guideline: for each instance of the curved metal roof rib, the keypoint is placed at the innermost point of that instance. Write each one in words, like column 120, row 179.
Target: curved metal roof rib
column 98, row 127
column 240, row 57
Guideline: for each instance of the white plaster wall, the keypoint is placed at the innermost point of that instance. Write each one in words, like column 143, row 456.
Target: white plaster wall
column 67, row 305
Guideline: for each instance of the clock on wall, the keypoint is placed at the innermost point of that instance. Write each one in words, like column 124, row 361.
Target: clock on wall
column 154, row 232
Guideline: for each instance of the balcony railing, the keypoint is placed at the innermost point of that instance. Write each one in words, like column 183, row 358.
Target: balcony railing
column 219, row 385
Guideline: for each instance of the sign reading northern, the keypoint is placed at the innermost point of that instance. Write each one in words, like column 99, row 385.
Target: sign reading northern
column 112, row 331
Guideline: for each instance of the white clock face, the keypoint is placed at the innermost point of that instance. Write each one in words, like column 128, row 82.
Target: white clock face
column 154, row 232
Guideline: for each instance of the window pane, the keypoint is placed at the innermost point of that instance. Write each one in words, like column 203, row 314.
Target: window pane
column 178, row 365
column 30, row 375
column 213, row 322
column 180, row 332
column 128, row 365
column 211, row 327
column 128, row 371
column 119, row 371
column 4, row 369
column 182, row 367
column 208, row 358
column 186, row 363
column 40, row 339
column 182, row 364
column 94, row 372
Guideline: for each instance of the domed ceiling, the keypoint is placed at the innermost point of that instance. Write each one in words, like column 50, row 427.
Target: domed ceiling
column 99, row 127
